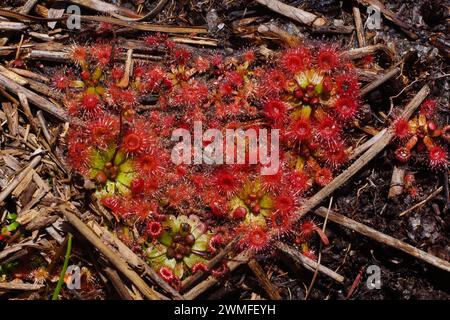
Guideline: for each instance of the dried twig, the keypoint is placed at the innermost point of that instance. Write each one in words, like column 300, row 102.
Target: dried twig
column 30, row 74
column 272, row 30
column 333, row 29
column 118, row 284
column 421, row 203
column 13, row 76
column 378, row 82
column 383, row 238
column 43, row 125
column 105, row 7
column 123, row 83
column 307, row 262
column 12, row 117
column 114, row 21
column 26, row 8
column 365, row 51
column 15, row 182
column 366, row 145
column 12, row 26
column 271, row 289
column 397, row 182
column 291, row 12
column 20, row 286
column 17, row 247
column 36, row 99
column 359, row 27
column 27, row 111
column 57, row 56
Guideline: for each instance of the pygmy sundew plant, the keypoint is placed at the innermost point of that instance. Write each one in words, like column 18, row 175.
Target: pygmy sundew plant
column 120, row 138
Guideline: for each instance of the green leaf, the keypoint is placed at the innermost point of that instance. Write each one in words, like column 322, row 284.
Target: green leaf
column 122, row 189
column 13, row 226
column 120, row 158
column 11, row 216
column 166, row 238
column 319, row 88
column 127, row 166
column 5, row 231
column 201, row 243
column 178, row 269
column 192, row 259
column 266, row 202
column 156, row 251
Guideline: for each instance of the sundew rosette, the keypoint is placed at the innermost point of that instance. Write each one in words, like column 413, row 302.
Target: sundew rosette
column 181, row 247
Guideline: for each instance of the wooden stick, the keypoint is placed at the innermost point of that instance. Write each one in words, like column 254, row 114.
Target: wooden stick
column 383, row 238
column 375, row 84
column 12, row 26
column 44, row 89
column 293, row 13
column 30, row 74
column 26, row 8
column 128, row 69
column 36, row 99
column 58, row 56
column 15, row 182
column 359, row 27
column 44, row 127
column 421, row 203
column 105, row 7
column 12, row 117
column 397, row 182
column 118, row 284
column 13, row 76
column 271, row 290
column 200, row 41
column 27, row 111
column 365, row 51
column 366, row 145
column 20, row 286
column 130, row 24
column 308, row 263
column 272, row 30
column 121, row 265
column 17, row 247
